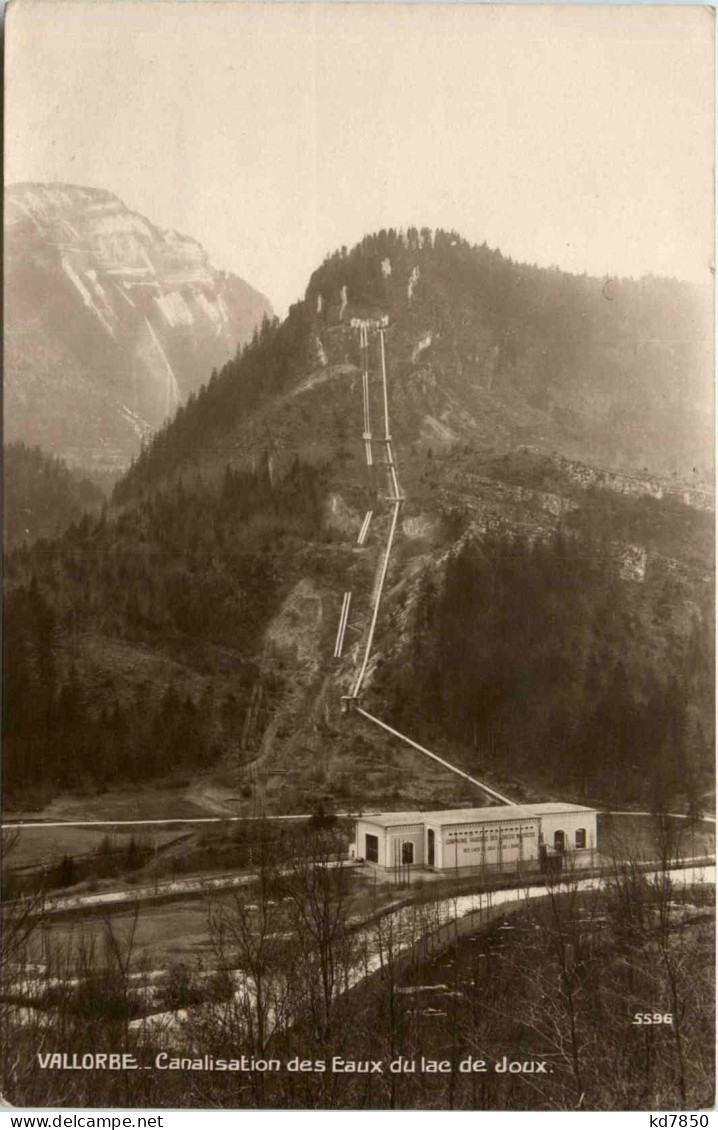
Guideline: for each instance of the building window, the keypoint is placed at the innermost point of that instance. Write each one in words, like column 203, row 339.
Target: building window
column 559, row 840
column 580, row 837
column 372, row 848
column 407, row 852
column 430, row 846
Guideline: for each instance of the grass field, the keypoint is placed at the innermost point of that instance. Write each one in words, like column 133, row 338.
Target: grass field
column 40, row 847
column 634, row 837
column 164, row 935
column 159, row 801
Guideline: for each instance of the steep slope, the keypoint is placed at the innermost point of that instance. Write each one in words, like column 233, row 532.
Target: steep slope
column 41, row 497
column 234, row 535
column 617, row 373
column 110, row 322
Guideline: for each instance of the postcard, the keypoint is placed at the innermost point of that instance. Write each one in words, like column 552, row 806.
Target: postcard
column 359, row 682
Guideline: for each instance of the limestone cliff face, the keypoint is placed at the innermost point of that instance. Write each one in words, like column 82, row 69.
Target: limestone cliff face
column 110, row 322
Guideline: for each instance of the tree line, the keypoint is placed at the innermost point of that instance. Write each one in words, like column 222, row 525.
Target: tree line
column 533, row 327
column 537, row 655
column 300, row 969
column 41, row 495
column 191, row 566
column 263, row 367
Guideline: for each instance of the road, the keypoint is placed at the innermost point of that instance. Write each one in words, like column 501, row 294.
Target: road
column 19, row 824
column 673, row 815
column 176, row 888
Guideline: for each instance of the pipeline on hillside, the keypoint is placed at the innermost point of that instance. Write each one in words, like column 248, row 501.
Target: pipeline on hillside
column 395, row 499
column 447, row 765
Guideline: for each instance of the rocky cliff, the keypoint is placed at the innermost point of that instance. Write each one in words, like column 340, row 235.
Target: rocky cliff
column 110, row 322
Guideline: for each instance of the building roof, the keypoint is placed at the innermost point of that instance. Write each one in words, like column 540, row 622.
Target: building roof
column 503, row 812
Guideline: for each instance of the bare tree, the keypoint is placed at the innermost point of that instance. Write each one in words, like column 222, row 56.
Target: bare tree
column 317, row 886
column 250, row 934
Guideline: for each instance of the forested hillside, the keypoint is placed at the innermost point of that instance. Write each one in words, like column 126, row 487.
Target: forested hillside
column 41, row 495
column 548, row 618
column 542, row 656
column 614, row 371
column 189, row 570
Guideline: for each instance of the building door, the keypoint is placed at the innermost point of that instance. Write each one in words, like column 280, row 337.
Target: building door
column 372, row 849
column 407, row 852
column 430, row 847
column 559, row 840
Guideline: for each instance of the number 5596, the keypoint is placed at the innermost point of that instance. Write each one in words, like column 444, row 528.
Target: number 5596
column 653, row 1018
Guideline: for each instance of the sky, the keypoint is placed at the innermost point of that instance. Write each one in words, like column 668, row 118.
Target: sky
column 574, row 136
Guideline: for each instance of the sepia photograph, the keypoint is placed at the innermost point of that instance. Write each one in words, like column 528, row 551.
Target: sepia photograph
column 358, row 686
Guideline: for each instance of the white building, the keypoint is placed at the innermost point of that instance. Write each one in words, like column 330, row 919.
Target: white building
column 498, row 838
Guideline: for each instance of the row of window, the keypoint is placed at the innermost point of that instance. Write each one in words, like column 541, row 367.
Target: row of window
column 407, row 848
column 371, row 853
column 559, row 839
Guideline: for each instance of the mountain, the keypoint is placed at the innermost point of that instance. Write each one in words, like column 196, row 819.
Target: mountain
column 110, row 322
column 547, row 619
column 617, row 373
